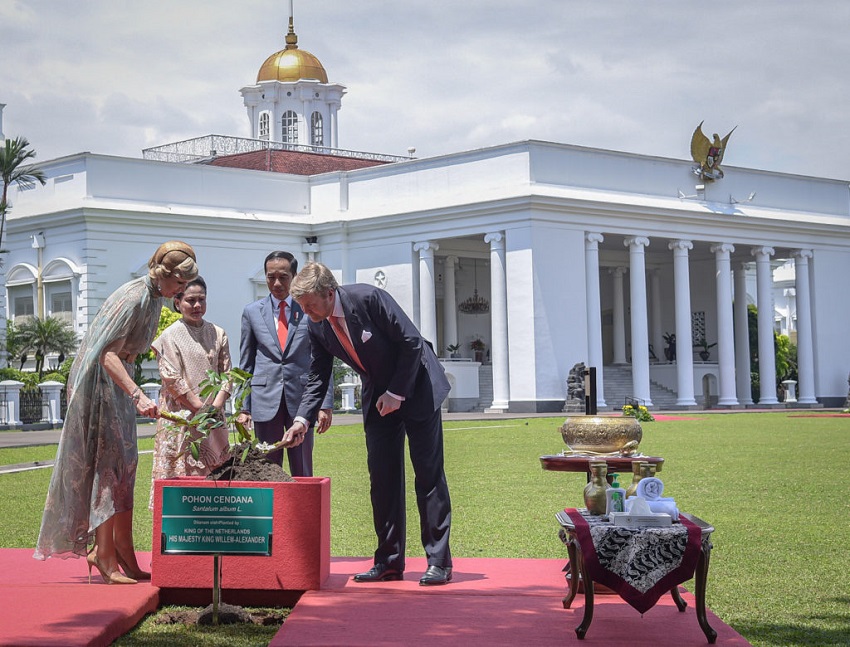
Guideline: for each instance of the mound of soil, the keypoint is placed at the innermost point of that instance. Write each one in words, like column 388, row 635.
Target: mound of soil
column 227, row 615
column 255, row 467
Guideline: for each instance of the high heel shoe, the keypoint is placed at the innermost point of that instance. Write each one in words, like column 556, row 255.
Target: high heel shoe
column 115, row 577
column 136, row 575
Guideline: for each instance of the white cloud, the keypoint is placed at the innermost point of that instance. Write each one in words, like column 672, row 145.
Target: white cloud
column 116, row 76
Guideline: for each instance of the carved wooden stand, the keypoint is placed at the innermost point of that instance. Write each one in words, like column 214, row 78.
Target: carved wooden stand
column 579, row 576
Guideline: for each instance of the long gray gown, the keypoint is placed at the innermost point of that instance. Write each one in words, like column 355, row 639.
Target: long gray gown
column 95, row 469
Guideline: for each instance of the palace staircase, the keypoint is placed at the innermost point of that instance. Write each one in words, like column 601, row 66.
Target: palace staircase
column 618, row 387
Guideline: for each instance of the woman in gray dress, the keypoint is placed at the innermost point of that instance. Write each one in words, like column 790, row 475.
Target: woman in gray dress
column 91, row 490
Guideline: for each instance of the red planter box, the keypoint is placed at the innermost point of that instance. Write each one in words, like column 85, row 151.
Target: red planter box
column 301, row 547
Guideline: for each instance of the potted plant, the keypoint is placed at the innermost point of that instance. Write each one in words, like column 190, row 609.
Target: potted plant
column 477, row 346
column 299, row 558
column 670, row 348
column 703, row 343
column 452, row 349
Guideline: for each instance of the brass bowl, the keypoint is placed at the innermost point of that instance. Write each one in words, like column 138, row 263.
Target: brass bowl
column 601, row 435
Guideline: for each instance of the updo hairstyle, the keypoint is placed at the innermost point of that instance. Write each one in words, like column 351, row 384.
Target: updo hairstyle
column 174, row 258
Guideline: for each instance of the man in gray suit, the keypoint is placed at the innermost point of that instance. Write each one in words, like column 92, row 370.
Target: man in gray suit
column 275, row 349
column 403, row 388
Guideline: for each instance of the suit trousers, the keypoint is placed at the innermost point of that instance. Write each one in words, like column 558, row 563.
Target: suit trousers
column 385, row 457
column 271, row 431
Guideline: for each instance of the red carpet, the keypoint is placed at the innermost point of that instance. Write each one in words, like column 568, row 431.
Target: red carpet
column 489, row 602
column 51, row 602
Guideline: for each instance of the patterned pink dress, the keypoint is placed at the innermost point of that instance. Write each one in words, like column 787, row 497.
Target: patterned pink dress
column 185, row 353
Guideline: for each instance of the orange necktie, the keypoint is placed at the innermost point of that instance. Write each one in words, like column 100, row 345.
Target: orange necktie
column 345, row 340
column 282, row 325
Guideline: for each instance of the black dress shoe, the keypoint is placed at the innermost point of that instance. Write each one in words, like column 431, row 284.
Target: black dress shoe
column 379, row 573
column 436, row 575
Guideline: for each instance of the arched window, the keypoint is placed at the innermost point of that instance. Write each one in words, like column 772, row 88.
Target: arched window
column 21, row 303
column 21, row 292
column 60, row 277
column 289, row 128
column 317, row 133
column 264, row 126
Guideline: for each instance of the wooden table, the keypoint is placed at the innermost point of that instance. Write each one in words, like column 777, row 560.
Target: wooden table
column 577, row 569
column 616, row 464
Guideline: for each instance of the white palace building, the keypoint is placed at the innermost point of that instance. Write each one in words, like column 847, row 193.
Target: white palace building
column 551, row 254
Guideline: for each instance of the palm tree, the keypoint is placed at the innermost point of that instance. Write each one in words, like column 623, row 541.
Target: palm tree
column 13, row 154
column 48, row 335
column 14, row 347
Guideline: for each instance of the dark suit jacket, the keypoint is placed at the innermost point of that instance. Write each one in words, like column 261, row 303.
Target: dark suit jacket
column 275, row 369
column 394, row 354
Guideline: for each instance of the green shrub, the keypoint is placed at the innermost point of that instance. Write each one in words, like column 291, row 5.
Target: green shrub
column 11, row 374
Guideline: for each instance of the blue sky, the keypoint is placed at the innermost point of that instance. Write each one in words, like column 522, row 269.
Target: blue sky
column 117, row 76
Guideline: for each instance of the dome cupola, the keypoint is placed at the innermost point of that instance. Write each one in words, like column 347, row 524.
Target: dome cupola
column 291, row 63
column 292, row 101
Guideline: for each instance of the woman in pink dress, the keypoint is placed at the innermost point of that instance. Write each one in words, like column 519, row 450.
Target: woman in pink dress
column 185, row 351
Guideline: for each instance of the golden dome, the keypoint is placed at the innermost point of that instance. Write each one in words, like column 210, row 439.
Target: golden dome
column 291, row 63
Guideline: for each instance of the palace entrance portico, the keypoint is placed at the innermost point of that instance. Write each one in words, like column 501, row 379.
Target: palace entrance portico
column 638, row 289
column 698, row 290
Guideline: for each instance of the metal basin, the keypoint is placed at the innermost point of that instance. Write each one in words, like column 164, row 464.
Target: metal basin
column 601, row 435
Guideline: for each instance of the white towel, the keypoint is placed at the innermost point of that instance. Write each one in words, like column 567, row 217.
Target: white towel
column 638, row 505
column 650, row 488
column 667, row 505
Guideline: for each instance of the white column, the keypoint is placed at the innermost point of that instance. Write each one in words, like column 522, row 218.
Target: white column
column 333, row 125
column 347, row 389
column 499, row 321
column 805, row 344
column 655, row 298
column 742, row 338
column 10, row 392
column 427, row 291
column 449, row 302
column 682, row 289
column 51, row 393
column 619, row 316
column 640, row 334
column 594, row 312
column 414, row 290
column 725, row 325
column 764, row 300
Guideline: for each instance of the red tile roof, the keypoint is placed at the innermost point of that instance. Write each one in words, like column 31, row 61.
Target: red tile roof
column 294, row 162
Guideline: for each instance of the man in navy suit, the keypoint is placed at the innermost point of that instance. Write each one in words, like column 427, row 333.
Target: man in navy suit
column 276, row 350
column 403, row 388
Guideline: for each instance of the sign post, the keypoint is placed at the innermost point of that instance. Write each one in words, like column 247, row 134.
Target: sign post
column 590, row 391
column 217, row 521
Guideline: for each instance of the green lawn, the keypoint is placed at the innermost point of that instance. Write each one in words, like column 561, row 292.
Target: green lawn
column 763, row 480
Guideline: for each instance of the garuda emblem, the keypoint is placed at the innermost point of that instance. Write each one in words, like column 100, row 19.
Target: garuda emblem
column 708, row 154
